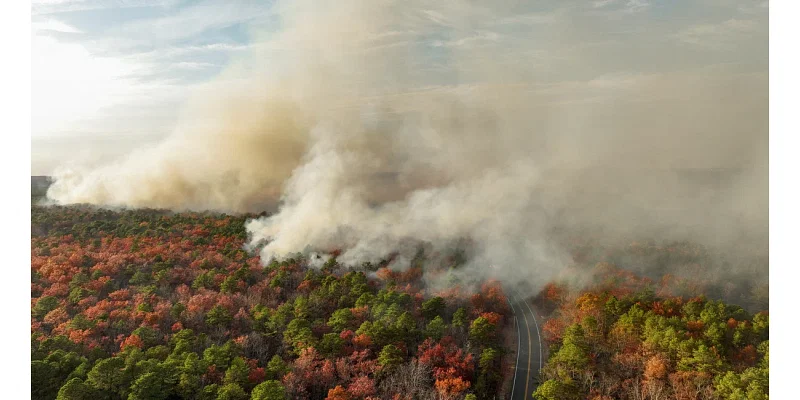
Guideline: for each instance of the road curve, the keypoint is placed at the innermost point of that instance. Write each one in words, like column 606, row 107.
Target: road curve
column 529, row 349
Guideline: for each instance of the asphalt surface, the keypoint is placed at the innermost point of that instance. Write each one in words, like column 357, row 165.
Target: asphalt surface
column 529, row 349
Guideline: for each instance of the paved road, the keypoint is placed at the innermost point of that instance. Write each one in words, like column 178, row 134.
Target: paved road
column 529, row 345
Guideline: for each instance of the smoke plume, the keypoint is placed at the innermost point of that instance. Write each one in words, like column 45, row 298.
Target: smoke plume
column 363, row 125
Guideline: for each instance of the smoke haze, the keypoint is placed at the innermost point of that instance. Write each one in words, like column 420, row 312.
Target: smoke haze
column 363, row 125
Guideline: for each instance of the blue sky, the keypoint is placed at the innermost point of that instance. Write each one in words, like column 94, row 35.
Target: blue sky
column 115, row 74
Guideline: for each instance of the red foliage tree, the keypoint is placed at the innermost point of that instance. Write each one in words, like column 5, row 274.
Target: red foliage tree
column 362, row 340
column 338, row 393
column 361, row 386
column 132, row 340
column 450, row 388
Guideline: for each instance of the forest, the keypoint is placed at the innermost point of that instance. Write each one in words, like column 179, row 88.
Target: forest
column 626, row 336
column 153, row 304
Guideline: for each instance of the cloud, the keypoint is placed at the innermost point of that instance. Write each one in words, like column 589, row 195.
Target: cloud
column 171, row 53
column 602, row 3
column 536, row 18
column 62, row 6
column 754, row 8
column 68, row 82
column 190, row 65
column 625, row 6
column 73, row 89
column 477, row 39
column 53, row 25
column 189, row 21
column 96, row 81
column 724, row 35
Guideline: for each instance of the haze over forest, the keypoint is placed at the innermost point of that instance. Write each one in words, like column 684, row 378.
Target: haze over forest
column 364, row 126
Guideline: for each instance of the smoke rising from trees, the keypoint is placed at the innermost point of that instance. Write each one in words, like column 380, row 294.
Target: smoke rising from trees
column 366, row 125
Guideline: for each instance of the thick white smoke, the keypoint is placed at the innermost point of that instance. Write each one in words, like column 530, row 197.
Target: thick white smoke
column 369, row 123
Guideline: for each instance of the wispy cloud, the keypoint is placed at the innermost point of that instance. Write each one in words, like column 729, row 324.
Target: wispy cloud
column 602, row 3
column 533, row 18
column 61, row 6
column 190, row 21
column 190, row 65
column 100, row 78
column 53, row 25
column 754, row 7
column 720, row 36
column 625, row 6
column 169, row 54
column 477, row 39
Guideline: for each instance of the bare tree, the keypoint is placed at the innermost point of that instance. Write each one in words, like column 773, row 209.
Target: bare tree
column 411, row 379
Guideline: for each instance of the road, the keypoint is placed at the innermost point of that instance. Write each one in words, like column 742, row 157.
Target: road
column 529, row 349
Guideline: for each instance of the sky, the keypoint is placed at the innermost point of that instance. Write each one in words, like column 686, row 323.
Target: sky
column 112, row 76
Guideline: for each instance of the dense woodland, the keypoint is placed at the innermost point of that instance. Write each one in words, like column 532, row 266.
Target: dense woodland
column 629, row 337
column 150, row 304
